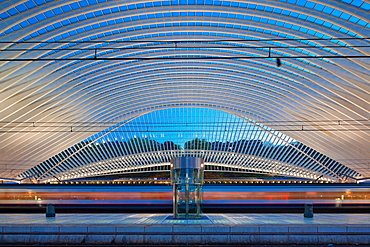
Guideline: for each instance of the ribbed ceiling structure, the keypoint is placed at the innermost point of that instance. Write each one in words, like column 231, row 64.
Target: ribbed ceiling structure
column 224, row 141
column 69, row 69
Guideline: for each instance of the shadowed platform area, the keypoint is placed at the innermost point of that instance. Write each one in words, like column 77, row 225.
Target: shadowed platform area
column 164, row 229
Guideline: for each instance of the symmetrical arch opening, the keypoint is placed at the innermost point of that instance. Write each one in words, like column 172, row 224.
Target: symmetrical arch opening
column 149, row 141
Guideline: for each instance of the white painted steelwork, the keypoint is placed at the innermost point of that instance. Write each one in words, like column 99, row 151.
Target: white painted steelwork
column 321, row 88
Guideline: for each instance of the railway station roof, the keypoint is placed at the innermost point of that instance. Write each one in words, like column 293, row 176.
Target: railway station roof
column 71, row 69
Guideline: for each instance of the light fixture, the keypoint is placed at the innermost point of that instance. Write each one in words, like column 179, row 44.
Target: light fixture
column 278, row 62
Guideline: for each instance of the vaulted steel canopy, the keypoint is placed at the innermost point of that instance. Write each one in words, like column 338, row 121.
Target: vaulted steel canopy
column 298, row 66
column 226, row 142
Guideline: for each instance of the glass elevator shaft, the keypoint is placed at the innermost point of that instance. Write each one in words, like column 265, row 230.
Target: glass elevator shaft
column 187, row 176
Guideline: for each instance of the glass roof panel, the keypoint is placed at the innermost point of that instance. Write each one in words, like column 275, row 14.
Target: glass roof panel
column 365, row 6
column 318, row 7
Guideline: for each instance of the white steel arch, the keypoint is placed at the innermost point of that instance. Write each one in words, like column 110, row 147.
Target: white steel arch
column 326, row 99
column 148, row 142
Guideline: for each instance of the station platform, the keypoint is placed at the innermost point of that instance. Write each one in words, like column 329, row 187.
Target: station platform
column 163, row 229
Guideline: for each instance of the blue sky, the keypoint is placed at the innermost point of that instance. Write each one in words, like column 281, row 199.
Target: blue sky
column 180, row 125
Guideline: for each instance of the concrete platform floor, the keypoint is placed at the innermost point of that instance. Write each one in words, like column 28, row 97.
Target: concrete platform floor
column 88, row 219
column 163, row 229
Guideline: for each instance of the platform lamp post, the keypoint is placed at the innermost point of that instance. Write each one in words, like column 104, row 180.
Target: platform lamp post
column 187, row 178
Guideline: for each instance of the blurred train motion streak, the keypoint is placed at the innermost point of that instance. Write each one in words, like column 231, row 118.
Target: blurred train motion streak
column 158, row 198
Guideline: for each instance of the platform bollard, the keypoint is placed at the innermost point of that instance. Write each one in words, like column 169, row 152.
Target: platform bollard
column 308, row 210
column 50, row 210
